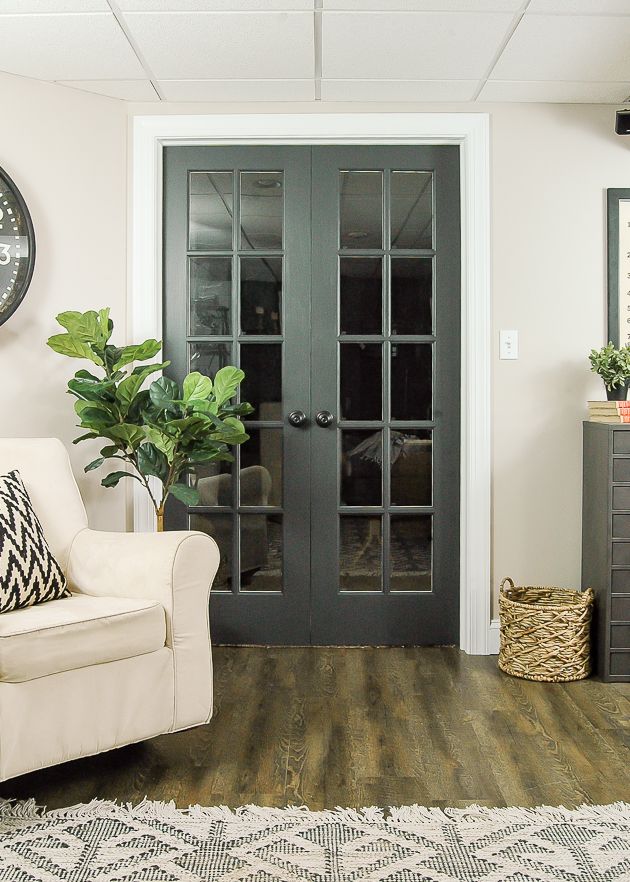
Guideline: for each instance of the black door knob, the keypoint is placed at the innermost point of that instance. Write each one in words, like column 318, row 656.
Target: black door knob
column 324, row 419
column 297, row 418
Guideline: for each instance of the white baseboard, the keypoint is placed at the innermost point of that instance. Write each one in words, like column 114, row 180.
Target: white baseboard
column 493, row 637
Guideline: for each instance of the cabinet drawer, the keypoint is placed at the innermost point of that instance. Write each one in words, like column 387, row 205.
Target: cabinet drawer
column 620, row 664
column 621, row 498
column 621, row 581
column 621, row 442
column 620, row 637
column 621, row 554
column 621, row 470
column 620, row 608
column 621, row 526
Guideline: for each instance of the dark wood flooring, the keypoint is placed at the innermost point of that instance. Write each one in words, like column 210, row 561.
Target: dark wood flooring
column 351, row 727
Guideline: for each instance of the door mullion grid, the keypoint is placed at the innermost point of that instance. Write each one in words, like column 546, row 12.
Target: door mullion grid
column 236, row 356
column 385, row 527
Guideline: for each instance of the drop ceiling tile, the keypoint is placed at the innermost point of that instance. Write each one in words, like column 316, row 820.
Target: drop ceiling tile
column 573, row 7
column 225, row 45
column 67, row 47
column 579, row 48
column 557, row 93
column 43, row 6
column 238, row 90
column 425, row 5
column 410, row 45
column 398, row 90
column 212, row 5
column 127, row 90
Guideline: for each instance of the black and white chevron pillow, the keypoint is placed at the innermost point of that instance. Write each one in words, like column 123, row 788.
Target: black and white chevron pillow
column 29, row 573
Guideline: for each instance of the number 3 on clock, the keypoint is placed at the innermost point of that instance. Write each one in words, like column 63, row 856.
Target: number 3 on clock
column 5, row 254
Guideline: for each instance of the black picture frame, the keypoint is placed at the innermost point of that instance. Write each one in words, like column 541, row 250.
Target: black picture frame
column 30, row 234
column 615, row 196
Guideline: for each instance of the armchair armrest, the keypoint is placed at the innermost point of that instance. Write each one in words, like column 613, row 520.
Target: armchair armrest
column 177, row 570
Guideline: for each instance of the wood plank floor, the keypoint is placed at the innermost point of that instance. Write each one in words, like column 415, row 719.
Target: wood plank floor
column 351, row 727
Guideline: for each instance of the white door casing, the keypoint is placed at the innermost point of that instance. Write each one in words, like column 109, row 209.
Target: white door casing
column 471, row 132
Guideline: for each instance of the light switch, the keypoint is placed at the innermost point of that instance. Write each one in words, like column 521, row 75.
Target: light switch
column 508, row 344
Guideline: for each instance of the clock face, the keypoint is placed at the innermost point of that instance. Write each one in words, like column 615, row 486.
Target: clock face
column 17, row 247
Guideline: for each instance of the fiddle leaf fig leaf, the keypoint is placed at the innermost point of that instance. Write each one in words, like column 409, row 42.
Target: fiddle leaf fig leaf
column 226, row 382
column 152, row 461
column 83, row 326
column 66, row 344
column 164, row 394
column 161, row 441
column 196, row 386
column 132, row 435
column 187, row 495
column 141, row 352
column 94, row 464
column 113, row 478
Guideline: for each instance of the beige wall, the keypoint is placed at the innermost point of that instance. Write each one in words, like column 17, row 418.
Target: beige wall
column 66, row 151
column 551, row 165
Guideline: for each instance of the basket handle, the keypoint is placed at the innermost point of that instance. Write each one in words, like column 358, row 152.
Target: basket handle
column 511, row 585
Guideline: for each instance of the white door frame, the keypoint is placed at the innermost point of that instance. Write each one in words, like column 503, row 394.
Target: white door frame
column 471, row 132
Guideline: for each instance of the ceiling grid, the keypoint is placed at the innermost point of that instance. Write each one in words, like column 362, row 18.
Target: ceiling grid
column 443, row 51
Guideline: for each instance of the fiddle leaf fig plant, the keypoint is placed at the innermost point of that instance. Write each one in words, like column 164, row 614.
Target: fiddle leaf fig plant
column 612, row 365
column 162, row 430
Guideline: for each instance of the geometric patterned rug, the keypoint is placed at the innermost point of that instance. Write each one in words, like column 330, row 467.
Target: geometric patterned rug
column 106, row 842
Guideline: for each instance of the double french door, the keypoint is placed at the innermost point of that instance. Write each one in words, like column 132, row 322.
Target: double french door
column 331, row 276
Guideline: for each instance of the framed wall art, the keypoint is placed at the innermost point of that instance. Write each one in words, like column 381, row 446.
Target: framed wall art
column 619, row 266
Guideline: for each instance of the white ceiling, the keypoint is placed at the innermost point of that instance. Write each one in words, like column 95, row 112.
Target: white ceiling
column 332, row 50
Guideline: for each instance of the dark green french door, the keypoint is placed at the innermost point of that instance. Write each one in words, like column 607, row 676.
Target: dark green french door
column 331, row 275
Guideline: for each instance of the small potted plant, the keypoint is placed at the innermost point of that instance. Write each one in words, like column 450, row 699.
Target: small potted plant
column 163, row 430
column 613, row 366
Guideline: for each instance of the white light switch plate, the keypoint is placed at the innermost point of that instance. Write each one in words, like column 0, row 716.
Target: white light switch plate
column 508, row 344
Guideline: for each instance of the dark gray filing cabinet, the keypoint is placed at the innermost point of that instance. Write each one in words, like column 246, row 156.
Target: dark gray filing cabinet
column 606, row 544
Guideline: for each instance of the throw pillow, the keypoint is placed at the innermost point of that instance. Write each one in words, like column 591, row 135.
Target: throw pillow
column 29, row 573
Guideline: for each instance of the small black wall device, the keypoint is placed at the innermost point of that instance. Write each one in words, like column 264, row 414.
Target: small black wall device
column 622, row 122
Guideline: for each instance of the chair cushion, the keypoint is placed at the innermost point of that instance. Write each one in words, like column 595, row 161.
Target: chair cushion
column 75, row 632
column 29, row 573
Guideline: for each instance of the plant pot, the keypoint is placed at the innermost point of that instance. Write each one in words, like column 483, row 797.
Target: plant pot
column 618, row 394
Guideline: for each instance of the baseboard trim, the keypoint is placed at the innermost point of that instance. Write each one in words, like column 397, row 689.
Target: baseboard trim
column 493, row 637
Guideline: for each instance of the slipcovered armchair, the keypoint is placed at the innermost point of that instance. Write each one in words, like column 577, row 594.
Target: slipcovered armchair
column 127, row 656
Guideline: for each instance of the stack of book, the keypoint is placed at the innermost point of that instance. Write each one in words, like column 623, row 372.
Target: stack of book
column 609, row 411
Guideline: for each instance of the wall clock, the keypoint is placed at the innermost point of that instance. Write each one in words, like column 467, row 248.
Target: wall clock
column 17, row 247
column 619, row 266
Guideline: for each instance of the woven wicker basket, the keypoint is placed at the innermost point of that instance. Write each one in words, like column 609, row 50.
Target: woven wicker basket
column 545, row 632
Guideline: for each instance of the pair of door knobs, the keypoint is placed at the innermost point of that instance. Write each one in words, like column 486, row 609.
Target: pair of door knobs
column 298, row 418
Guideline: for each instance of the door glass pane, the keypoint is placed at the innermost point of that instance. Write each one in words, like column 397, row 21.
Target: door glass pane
column 213, row 482
column 412, row 467
column 261, row 468
column 220, row 527
column 210, row 296
column 261, row 295
column 361, row 295
column 262, row 386
column 361, row 223
column 208, row 358
column 360, row 553
column 361, row 368
column 211, row 210
column 412, row 210
column 410, row 552
column 412, row 295
column 411, row 381
column 361, row 467
column 262, row 208
column 261, row 552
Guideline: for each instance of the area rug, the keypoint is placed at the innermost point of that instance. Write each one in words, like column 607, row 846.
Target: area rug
column 105, row 842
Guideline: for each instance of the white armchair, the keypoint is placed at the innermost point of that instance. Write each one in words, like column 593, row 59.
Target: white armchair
column 127, row 656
